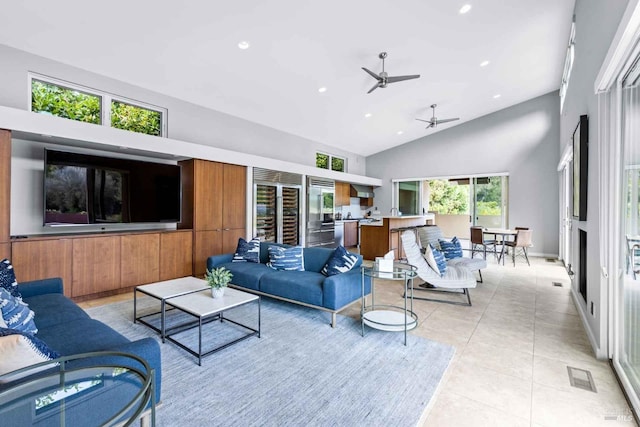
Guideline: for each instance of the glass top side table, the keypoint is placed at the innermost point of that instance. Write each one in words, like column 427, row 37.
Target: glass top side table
column 389, row 317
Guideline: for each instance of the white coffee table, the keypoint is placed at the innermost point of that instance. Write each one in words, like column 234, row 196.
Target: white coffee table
column 207, row 309
column 163, row 291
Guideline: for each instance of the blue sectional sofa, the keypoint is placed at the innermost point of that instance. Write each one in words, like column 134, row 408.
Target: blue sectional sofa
column 69, row 330
column 309, row 288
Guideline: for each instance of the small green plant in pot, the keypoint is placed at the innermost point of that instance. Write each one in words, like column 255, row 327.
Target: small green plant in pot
column 218, row 279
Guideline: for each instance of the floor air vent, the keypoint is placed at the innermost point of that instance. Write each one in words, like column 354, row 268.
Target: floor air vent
column 550, row 260
column 581, row 378
column 557, row 284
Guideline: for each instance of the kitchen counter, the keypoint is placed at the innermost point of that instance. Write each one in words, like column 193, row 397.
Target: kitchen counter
column 378, row 238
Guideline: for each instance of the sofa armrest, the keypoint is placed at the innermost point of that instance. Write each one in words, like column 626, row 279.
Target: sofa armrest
column 40, row 287
column 342, row 289
column 216, row 260
column 148, row 349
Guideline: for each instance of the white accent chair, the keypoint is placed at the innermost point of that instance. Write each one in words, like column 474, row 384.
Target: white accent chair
column 456, row 279
column 430, row 234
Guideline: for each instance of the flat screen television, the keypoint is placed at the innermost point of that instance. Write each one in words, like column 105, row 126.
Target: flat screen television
column 89, row 189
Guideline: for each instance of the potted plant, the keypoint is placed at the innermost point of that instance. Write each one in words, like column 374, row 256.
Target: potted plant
column 218, row 279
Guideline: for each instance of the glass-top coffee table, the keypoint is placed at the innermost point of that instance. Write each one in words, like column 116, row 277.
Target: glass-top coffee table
column 388, row 317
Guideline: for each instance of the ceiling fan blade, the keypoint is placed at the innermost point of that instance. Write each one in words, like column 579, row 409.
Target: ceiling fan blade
column 376, row 86
column 448, row 120
column 372, row 74
column 426, row 121
column 394, row 79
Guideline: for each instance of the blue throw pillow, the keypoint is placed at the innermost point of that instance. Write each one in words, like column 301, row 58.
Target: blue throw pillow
column 20, row 350
column 289, row 259
column 247, row 251
column 440, row 260
column 16, row 314
column 341, row 261
column 8, row 278
column 451, row 249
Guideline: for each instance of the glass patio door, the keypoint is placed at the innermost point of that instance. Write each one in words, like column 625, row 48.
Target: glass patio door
column 627, row 306
column 489, row 204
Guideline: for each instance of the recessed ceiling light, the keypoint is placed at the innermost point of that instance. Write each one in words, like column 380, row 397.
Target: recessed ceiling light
column 322, row 89
column 400, row 132
column 464, row 9
column 484, row 63
column 496, row 96
column 368, row 115
column 244, row 45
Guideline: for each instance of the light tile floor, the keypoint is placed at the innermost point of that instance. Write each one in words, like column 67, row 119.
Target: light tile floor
column 513, row 347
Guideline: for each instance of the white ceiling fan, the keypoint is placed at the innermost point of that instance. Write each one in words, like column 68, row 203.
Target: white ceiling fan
column 435, row 121
column 383, row 78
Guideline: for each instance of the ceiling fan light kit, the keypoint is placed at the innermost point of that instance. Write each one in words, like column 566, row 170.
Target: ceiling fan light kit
column 383, row 79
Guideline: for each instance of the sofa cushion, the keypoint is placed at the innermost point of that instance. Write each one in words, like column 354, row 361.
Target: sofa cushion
column 8, row 278
column 247, row 251
column 16, row 314
column 316, row 258
column 52, row 309
column 246, row 274
column 81, row 336
column 431, row 259
column 472, row 264
column 287, row 259
column 302, row 286
column 19, row 349
column 451, row 249
column 340, row 261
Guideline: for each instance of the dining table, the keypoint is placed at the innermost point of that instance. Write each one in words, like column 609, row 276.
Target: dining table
column 506, row 234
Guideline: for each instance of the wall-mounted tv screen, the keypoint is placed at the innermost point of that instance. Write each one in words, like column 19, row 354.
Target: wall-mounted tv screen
column 89, row 189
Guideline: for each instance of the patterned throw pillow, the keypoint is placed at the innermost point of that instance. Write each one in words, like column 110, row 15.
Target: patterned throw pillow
column 247, row 251
column 341, row 261
column 16, row 314
column 8, row 278
column 451, row 249
column 19, row 349
column 441, row 262
column 289, row 259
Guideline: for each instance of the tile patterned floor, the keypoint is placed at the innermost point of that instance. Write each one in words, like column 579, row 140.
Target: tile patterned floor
column 513, row 347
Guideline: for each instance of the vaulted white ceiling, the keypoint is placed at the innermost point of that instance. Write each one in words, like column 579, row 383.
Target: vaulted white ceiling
column 189, row 50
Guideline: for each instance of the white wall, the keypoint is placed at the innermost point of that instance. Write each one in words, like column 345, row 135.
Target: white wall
column 186, row 121
column 596, row 24
column 521, row 140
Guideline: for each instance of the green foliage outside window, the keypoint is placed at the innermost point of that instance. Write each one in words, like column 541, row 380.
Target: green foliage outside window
column 135, row 119
column 337, row 164
column 63, row 102
column 445, row 198
column 489, row 197
column 322, row 160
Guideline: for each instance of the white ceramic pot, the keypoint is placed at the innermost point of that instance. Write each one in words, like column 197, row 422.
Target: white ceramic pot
column 217, row 293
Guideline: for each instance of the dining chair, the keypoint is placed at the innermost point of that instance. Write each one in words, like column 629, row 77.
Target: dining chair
column 479, row 243
column 633, row 255
column 520, row 244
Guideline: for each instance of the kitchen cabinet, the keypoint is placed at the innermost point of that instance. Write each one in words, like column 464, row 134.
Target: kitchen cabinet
column 5, row 184
column 350, row 233
column 214, row 199
column 343, row 194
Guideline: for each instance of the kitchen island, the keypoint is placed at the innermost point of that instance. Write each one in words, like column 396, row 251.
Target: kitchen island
column 378, row 238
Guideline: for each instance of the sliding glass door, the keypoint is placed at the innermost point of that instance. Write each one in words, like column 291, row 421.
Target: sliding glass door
column 489, row 201
column 627, row 304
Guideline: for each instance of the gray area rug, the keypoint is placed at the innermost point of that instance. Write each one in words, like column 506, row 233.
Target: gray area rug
column 300, row 372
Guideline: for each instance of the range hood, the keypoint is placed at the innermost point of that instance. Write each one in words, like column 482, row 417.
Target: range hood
column 362, row 191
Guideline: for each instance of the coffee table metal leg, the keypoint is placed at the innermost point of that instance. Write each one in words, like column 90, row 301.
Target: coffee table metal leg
column 135, row 294
column 200, row 340
column 162, row 319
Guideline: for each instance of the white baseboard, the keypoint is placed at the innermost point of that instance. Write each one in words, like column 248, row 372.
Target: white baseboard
column 599, row 353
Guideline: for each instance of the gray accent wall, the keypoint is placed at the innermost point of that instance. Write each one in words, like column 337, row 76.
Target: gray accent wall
column 186, row 121
column 521, row 140
column 596, row 25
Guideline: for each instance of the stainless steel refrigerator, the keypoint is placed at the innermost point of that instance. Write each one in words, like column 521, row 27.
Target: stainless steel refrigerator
column 320, row 219
column 277, row 206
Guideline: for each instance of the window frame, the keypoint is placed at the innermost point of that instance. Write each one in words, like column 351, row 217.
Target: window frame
column 105, row 101
column 330, row 161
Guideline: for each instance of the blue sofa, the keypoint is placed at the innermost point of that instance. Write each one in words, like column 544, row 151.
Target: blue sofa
column 309, row 288
column 69, row 330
